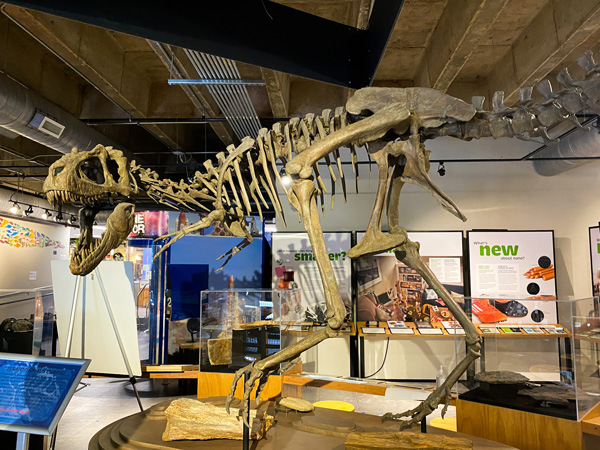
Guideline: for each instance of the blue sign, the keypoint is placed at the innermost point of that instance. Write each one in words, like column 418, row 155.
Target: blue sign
column 35, row 390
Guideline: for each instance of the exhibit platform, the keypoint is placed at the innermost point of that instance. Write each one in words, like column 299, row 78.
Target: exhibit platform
column 527, row 430
column 144, row 430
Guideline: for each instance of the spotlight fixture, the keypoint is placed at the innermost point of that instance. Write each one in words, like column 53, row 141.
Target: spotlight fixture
column 28, row 211
column 73, row 218
column 285, row 178
column 15, row 208
column 47, row 214
column 441, row 169
column 59, row 216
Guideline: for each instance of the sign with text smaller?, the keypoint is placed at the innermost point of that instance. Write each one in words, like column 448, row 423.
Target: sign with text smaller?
column 35, row 390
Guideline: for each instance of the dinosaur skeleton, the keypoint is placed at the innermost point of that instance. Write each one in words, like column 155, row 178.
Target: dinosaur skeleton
column 392, row 123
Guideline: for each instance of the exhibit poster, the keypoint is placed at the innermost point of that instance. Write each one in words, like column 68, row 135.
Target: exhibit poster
column 388, row 290
column 294, row 266
column 595, row 259
column 512, row 276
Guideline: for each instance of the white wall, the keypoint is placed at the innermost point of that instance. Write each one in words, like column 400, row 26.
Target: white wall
column 16, row 263
column 492, row 196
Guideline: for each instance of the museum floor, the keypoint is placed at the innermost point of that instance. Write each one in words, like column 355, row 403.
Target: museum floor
column 106, row 400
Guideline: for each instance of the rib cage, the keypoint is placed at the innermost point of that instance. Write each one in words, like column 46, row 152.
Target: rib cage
column 257, row 157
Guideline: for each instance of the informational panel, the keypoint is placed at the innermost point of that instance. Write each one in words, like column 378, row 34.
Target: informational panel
column 388, row 290
column 595, row 259
column 34, row 391
column 508, row 266
column 294, row 265
column 93, row 334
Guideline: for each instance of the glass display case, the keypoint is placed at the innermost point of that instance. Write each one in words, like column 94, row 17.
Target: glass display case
column 538, row 355
column 27, row 321
column 237, row 327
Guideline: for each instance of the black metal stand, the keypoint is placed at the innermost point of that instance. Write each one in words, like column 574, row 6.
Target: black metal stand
column 246, row 430
column 424, row 425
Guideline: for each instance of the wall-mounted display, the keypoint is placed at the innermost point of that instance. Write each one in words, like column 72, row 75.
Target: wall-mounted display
column 509, row 265
column 17, row 235
column 294, row 266
column 390, row 291
column 595, row 259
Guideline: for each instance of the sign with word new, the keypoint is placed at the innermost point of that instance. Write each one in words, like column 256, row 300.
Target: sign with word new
column 516, row 270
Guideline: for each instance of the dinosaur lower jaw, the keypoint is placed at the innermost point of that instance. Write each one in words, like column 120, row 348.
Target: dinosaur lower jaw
column 90, row 251
column 87, row 256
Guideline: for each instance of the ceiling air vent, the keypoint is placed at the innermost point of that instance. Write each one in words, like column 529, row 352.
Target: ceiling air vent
column 46, row 125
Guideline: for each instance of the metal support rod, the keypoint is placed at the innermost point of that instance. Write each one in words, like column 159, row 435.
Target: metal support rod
column 132, row 379
column 246, row 430
column 208, row 81
column 72, row 318
column 22, row 441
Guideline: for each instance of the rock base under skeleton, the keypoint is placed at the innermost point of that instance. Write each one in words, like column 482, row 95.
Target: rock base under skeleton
column 143, row 431
column 189, row 419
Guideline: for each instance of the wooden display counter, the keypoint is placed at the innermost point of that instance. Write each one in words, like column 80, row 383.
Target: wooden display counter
column 525, row 430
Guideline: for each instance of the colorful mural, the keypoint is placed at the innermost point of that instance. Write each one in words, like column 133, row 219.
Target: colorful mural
column 16, row 235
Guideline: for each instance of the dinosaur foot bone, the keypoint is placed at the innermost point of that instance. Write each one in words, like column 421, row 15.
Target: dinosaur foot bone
column 426, row 407
column 255, row 376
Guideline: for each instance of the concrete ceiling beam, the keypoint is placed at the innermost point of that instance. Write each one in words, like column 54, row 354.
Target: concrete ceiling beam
column 278, row 90
column 461, row 28
column 557, row 30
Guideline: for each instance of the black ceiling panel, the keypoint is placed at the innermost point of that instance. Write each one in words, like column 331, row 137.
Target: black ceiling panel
column 257, row 32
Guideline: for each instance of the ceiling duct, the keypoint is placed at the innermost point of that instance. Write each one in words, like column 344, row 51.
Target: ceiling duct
column 574, row 150
column 26, row 113
column 233, row 100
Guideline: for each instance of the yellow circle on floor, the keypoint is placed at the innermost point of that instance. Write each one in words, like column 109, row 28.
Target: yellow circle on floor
column 447, row 423
column 335, row 404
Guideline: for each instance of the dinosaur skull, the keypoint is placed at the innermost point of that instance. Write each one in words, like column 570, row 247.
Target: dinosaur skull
column 93, row 180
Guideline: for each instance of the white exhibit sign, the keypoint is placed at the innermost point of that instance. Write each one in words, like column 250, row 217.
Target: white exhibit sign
column 512, row 266
column 389, row 290
column 93, row 334
column 595, row 259
column 293, row 258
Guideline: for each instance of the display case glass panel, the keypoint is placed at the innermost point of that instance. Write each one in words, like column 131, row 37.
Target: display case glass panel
column 27, row 321
column 537, row 355
column 237, row 327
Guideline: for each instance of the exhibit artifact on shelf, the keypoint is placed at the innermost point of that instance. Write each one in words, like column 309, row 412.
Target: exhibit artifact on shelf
column 394, row 124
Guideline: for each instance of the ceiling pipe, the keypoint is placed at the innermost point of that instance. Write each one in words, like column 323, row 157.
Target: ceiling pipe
column 19, row 105
column 575, row 150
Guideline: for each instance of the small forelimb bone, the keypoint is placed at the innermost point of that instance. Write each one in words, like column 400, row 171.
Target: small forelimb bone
column 217, row 215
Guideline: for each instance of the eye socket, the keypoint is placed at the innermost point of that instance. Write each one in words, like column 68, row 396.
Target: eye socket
column 92, row 169
column 113, row 169
column 58, row 170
